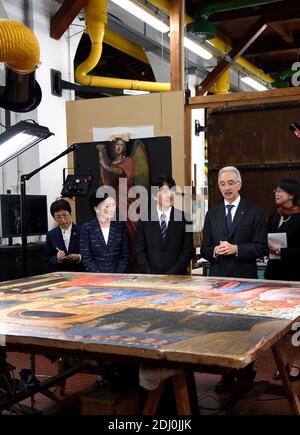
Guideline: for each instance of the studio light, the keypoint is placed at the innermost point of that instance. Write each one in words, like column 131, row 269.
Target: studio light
column 254, row 84
column 142, row 14
column 19, row 138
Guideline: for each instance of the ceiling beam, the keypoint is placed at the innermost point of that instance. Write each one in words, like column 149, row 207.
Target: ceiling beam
column 283, row 31
column 290, row 53
column 286, row 10
column 272, row 46
column 237, row 50
column 177, row 14
column 64, row 16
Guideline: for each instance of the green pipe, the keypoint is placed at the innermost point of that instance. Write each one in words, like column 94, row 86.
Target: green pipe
column 231, row 5
column 202, row 25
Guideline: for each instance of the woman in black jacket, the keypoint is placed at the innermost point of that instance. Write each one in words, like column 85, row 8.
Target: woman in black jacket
column 104, row 241
column 286, row 219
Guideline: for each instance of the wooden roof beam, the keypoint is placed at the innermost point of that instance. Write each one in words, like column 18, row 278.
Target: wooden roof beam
column 236, row 51
column 177, row 14
column 64, row 16
column 286, row 10
column 272, row 46
column 283, row 31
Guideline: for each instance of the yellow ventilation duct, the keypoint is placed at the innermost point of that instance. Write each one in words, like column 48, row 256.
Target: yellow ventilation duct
column 115, row 40
column 19, row 50
column 19, row 47
column 96, row 21
column 222, row 85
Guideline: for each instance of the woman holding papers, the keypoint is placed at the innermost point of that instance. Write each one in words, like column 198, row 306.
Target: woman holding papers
column 284, row 232
column 284, row 241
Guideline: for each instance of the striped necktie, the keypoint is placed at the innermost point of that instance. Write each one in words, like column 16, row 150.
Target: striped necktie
column 229, row 216
column 163, row 225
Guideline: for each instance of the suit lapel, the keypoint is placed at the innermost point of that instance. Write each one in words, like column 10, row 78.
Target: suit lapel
column 72, row 247
column 239, row 214
column 60, row 240
column 111, row 233
column 221, row 218
column 98, row 232
column 171, row 226
column 156, row 227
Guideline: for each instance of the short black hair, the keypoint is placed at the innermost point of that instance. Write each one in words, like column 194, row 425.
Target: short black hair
column 162, row 180
column 290, row 185
column 94, row 201
column 60, row 204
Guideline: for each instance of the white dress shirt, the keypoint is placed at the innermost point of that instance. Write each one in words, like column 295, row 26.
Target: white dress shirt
column 67, row 236
column 105, row 232
column 167, row 213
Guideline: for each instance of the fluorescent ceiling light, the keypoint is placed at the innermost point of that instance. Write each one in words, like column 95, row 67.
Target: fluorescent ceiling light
column 197, row 49
column 20, row 137
column 142, row 14
column 133, row 92
column 254, row 84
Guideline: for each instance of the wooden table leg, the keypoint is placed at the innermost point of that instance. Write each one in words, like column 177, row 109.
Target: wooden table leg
column 62, row 366
column 291, row 395
column 181, row 394
column 153, row 399
column 192, row 389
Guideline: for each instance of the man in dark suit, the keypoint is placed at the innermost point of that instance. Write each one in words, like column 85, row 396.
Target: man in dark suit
column 234, row 233
column 164, row 244
column 62, row 243
column 234, row 236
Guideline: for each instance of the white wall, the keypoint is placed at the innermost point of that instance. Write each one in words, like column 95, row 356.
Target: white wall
column 51, row 111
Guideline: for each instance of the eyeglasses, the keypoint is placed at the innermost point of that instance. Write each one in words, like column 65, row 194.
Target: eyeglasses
column 59, row 217
column 229, row 183
column 278, row 190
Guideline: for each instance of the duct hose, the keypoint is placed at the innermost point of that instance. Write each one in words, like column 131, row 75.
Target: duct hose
column 19, row 48
column 20, row 51
column 96, row 21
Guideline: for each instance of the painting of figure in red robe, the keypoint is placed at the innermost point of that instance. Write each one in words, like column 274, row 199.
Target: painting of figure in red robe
column 115, row 163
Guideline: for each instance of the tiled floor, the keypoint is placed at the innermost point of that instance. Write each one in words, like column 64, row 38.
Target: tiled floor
column 209, row 402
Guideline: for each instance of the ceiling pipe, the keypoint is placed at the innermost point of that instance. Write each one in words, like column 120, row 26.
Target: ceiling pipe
column 96, row 22
column 120, row 43
column 201, row 24
column 222, row 85
column 217, row 44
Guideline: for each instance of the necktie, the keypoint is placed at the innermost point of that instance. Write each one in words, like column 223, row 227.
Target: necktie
column 163, row 225
column 229, row 216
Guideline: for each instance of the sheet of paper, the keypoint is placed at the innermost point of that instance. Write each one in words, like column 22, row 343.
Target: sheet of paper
column 279, row 239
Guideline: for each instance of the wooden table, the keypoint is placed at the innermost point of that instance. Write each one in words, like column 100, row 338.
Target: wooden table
column 185, row 322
